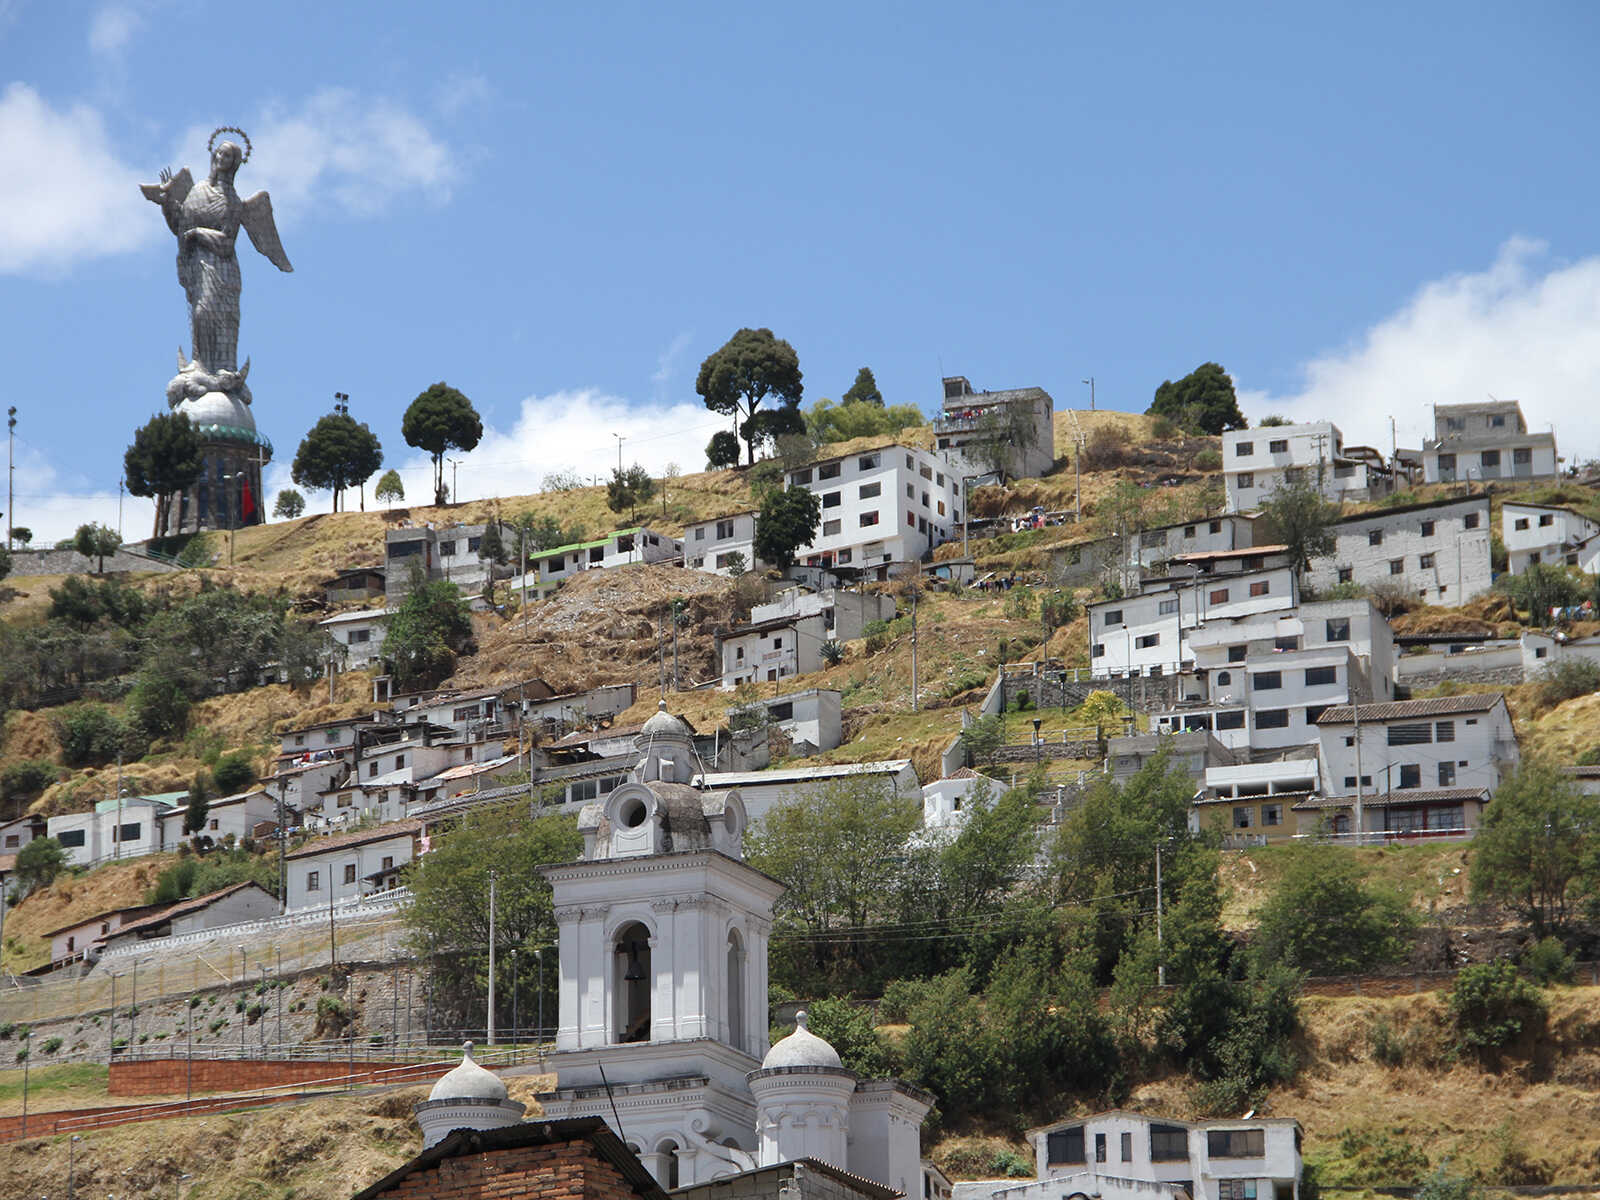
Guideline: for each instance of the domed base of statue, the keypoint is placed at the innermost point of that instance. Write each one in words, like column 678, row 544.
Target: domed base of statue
column 228, row 493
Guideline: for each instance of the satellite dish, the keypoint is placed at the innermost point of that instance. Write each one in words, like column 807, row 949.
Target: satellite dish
column 1248, row 1115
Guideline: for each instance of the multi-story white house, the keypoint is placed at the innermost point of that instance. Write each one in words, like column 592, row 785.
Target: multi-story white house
column 1473, row 442
column 360, row 633
column 1256, row 462
column 1426, row 766
column 776, row 648
column 1147, row 634
column 113, row 830
column 812, row 719
column 722, row 543
column 1438, row 550
column 845, row 613
column 1547, row 533
column 880, row 507
column 351, row 865
column 1259, row 682
column 555, row 566
column 1131, row 1156
column 1152, row 547
column 1253, row 802
column 1024, row 418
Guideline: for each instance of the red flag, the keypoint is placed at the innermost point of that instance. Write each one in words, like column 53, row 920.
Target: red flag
column 247, row 503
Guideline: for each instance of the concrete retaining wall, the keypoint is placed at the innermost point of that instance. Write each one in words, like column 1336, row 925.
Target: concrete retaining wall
column 70, row 562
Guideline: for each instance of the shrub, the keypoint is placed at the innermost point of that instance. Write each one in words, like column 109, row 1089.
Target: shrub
column 234, row 772
column 1271, row 421
column 1008, row 1164
column 1566, row 680
column 1547, row 962
column 1387, row 1046
column 1163, row 429
column 832, row 652
column 198, row 551
column 89, row 734
column 50, row 1045
column 1106, row 448
column 849, row 1028
column 1492, row 1005
column 1057, row 610
column 1208, row 460
column 26, row 778
column 1392, row 599
column 899, row 996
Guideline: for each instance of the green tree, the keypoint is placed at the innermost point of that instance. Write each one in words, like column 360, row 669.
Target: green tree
column 389, row 490
column 163, row 461
column 722, row 450
column 96, row 541
column 428, row 629
column 38, row 863
column 89, row 734
column 1491, row 1005
column 983, row 738
column 441, row 419
column 1323, row 919
column 1297, row 517
column 234, row 772
column 840, row 852
column 159, row 701
column 1202, row 400
column 752, row 367
column 628, row 489
column 788, row 520
column 830, row 422
column 1540, row 587
column 22, row 534
column 448, row 915
column 338, row 453
column 5, row 562
column 290, row 504
column 851, row 1030
column 1536, row 848
column 25, row 779
column 864, row 390
column 197, row 809
column 218, row 638
column 492, row 547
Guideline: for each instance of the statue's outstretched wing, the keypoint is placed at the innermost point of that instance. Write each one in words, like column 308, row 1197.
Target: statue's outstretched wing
column 173, row 189
column 258, row 223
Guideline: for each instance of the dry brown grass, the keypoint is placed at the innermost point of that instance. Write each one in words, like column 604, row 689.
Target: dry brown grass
column 75, row 898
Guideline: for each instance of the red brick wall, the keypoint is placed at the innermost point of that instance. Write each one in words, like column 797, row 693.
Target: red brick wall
column 170, row 1076
column 566, row 1171
column 81, row 1120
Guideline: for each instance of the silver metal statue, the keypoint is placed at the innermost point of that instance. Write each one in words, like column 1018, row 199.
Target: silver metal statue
column 206, row 218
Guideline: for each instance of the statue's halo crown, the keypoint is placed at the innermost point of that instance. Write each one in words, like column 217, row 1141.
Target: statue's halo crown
column 230, row 129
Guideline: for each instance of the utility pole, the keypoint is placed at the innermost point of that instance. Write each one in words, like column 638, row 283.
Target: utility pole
column 1355, row 709
column 491, row 957
column 283, row 876
column 122, row 485
column 1090, row 382
column 1161, row 959
column 11, row 471
column 116, row 834
column 620, row 439
column 455, row 481
column 1077, row 483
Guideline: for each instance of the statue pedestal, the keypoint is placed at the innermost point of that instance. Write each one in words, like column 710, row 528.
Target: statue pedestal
column 234, row 456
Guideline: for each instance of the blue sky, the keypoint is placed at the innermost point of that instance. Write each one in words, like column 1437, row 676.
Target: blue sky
column 562, row 210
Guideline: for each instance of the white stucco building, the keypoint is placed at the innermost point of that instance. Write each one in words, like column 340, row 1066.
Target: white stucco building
column 845, row 612
column 1547, row 533
column 1152, row 547
column 722, row 543
column 947, row 802
column 348, row 866
column 1437, row 551
column 1475, row 442
column 360, row 634
column 762, row 790
column 777, row 648
column 1025, row 416
column 553, row 567
column 1256, row 462
column 811, row 719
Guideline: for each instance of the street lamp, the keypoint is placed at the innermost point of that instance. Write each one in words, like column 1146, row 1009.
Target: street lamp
column 177, row 1189
column 72, row 1164
column 1090, row 382
column 227, row 500
column 513, row 996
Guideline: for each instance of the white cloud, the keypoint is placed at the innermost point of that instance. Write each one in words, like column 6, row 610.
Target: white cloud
column 1524, row 329
column 667, row 363
column 74, row 199
column 45, row 504
column 111, row 28
column 460, row 92
column 357, row 152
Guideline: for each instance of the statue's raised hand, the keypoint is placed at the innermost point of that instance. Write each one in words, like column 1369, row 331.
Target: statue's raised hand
column 166, row 176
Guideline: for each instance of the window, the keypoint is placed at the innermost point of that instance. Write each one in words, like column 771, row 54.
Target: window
column 1168, row 1143
column 1099, row 1147
column 128, row 833
column 1346, row 574
column 13, row 840
column 1321, row 676
column 1272, row 814
column 1214, row 527
column 911, row 491
column 349, row 872
column 372, row 769
column 1217, row 596
column 214, row 824
column 1166, row 608
column 1065, row 1146
column 868, row 518
column 1470, row 521
column 1286, row 643
column 1230, row 720
column 941, row 508
column 724, row 530
column 1278, row 446
column 1425, row 562
column 1153, row 541
column 830, row 528
column 1522, row 456
column 1338, row 629
column 1520, row 523
column 1497, row 421
column 1236, row 1143
column 1262, row 588
column 388, row 862
column 1247, row 480
column 832, row 499
column 313, row 881
column 845, row 556
column 359, row 637
column 699, row 533
column 868, row 462
column 777, row 643
column 724, row 560
column 1243, row 449
column 1427, row 529
column 801, row 477
column 344, row 800
column 869, row 490
column 1188, row 531
column 1267, row 681
column 1099, row 650
column 1243, row 817
column 1374, row 537
column 1113, row 616
column 1236, row 654
column 1410, row 735
column 1397, row 566
column 1314, row 711
column 447, row 549
column 1491, row 459
column 828, row 471
column 1236, row 1189
column 1447, row 774
column 1148, row 640
column 1273, row 718
column 1546, row 519
column 70, row 837
column 1444, row 731
column 1410, row 776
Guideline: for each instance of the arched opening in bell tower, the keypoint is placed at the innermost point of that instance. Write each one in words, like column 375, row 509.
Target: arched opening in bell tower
column 631, row 983
column 736, row 989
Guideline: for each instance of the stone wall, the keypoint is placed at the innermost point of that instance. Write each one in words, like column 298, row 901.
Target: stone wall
column 70, row 562
column 1497, row 676
column 1142, row 693
column 1028, row 752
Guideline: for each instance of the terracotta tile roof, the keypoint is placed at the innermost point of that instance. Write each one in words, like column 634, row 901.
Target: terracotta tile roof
column 1398, row 799
column 1246, row 552
column 1400, row 710
column 359, row 837
column 183, row 908
column 101, row 916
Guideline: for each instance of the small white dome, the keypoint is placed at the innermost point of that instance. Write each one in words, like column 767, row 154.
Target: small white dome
column 468, row 1081
column 664, row 724
column 218, row 408
column 802, row 1048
